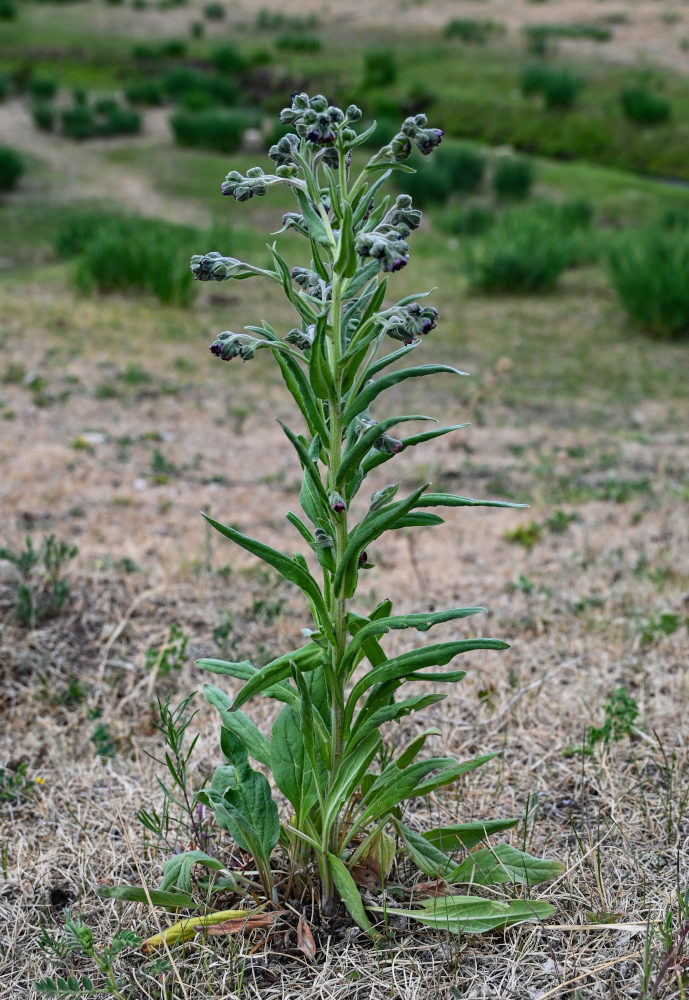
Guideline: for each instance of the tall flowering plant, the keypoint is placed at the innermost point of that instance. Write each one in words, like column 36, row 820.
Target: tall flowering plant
column 326, row 753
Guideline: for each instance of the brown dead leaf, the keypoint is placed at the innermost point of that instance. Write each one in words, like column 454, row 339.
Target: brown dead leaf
column 241, row 924
column 367, row 876
column 305, row 941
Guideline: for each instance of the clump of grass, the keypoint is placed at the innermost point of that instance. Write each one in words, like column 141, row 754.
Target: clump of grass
column 523, row 253
column 648, row 269
column 642, row 107
column 11, row 168
column 471, row 220
column 299, row 42
column 464, row 167
column 213, row 128
column 181, row 81
column 42, row 88
column 558, row 86
column 146, row 92
column 380, row 68
column 513, row 178
column 471, row 31
column 129, row 255
column 214, row 11
column 41, row 589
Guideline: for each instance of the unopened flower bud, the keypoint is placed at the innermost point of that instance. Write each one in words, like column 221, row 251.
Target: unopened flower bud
column 353, row 113
column 384, row 496
column 388, row 445
column 318, row 102
column 363, row 559
column 303, row 339
column 336, row 502
column 323, row 538
column 214, row 267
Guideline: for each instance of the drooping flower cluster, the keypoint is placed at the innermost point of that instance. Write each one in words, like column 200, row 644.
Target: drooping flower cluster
column 386, row 444
column 409, row 322
column 214, row 267
column 312, row 283
column 414, row 132
column 387, row 242
column 230, row 345
column 303, row 339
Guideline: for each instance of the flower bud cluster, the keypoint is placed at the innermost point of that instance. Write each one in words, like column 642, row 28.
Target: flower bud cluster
column 414, row 132
column 282, row 153
column 312, row 283
column 316, row 121
column 402, row 216
column 408, row 323
column 384, row 244
column 214, row 267
column 303, row 339
column 244, row 186
column 230, row 345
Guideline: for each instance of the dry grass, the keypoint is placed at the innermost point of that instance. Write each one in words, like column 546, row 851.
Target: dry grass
column 575, row 607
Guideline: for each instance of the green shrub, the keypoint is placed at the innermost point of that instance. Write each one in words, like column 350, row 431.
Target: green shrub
column 274, row 20
column 11, row 168
column 78, row 122
column 463, row 165
column 432, row 187
column 558, row 85
column 8, row 10
column 214, row 11
column 119, row 121
column 146, row 92
column 643, row 107
column 513, row 178
column 576, row 213
column 42, row 88
column 540, row 37
column 472, row 220
column 197, row 29
column 173, row 48
column 44, row 117
column 470, row 30
column 380, row 68
column 648, row 269
column 78, row 228
column 533, row 78
column 226, row 59
column 299, row 43
column 523, row 253
column 182, row 80
column 215, row 129
column 137, row 255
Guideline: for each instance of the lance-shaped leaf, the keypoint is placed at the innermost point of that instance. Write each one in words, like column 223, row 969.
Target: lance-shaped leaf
column 299, row 303
column 346, row 886
column 449, row 500
column 369, row 528
column 241, row 800
column 414, row 662
column 306, row 658
column 345, row 262
column 320, row 375
column 390, row 713
column 286, row 567
column 473, row 914
column 244, row 670
column 177, row 870
column 361, row 278
column 504, row 863
column 350, row 773
column 239, row 724
column 137, row 894
column 364, row 399
column 391, row 358
column 307, row 462
column 313, row 220
column 373, row 461
column 292, row 768
column 466, row 835
column 357, row 450
column 421, row 621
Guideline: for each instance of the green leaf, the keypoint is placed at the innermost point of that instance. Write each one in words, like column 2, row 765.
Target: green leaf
column 364, row 399
column 286, row 567
column 241, row 800
column 421, row 621
column 410, row 442
column 292, row 769
column 449, row 500
column 473, row 914
column 177, row 870
column 365, row 722
column 301, row 527
column 137, row 894
column 427, row 857
column 307, row 462
column 239, row 724
column 313, row 220
column 361, row 278
column 308, row 657
column 320, row 375
column 437, row 654
column 466, row 835
column 372, row 525
column 346, row 886
column 391, row 358
column 244, row 670
column 504, row 863
column 349, row 774
column 345, row 262
column 357, row 450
